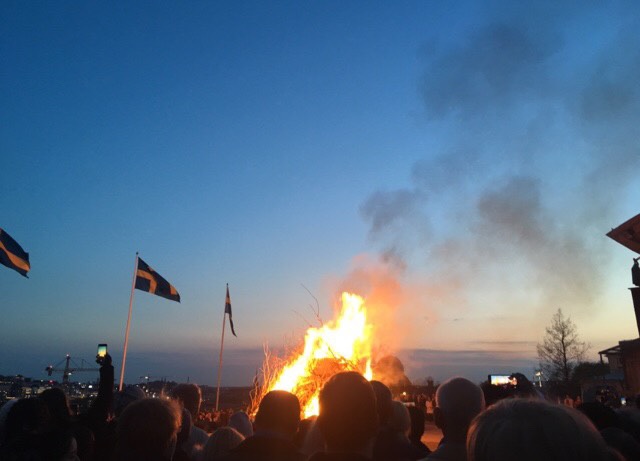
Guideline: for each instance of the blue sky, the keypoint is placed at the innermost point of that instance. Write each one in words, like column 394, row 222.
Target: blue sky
column 475, row 154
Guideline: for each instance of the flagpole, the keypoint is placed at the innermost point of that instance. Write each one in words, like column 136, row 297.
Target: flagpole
column 224, row 321
column 126, row 335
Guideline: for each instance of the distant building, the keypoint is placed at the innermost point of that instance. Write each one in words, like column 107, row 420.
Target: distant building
column 624, row 364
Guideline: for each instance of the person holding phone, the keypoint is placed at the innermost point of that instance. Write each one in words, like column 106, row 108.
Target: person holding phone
column 99, row 415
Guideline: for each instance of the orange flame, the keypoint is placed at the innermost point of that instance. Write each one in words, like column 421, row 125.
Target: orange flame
column 340, row 345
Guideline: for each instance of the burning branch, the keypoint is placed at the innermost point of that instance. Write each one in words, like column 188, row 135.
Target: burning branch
column 341, row 345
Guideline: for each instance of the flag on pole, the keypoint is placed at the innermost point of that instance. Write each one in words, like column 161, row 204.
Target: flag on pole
column 227, row 310
column 149, row 280
column 628, row 234
column 12, row 255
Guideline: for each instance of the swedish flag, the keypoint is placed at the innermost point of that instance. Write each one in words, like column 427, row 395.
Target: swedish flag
column 12, row 255
column 227, row 310
column 149, row 280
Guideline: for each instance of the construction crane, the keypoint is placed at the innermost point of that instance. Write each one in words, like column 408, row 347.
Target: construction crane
column 68, row 369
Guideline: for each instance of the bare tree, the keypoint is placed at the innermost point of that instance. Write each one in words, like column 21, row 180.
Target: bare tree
column 561, row 349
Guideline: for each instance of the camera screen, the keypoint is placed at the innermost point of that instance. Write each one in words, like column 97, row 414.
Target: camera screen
column 502, row 380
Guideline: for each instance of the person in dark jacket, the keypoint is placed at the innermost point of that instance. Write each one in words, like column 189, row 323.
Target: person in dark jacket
column 276, row 424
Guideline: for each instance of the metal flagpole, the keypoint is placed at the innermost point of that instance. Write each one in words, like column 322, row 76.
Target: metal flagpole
column 224, row 321
column 126, row 335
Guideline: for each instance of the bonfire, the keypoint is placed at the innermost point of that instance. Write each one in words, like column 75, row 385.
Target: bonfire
column 343, row 344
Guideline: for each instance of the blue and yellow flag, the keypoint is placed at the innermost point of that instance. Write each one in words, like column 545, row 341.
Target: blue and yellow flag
column 12, row 255
column 227, row 310
column 150, row 281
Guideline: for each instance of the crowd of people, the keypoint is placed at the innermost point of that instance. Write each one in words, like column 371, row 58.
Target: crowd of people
column 358, row 420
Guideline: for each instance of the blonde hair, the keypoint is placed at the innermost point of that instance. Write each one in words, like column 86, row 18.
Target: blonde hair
column 525, row 429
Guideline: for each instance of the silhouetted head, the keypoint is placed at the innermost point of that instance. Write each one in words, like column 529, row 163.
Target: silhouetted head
column 303, row 429
column 4, row 412
column 348, row 417
column 313, row 441
column 220, row 443
column 599, row 414
column 26, row 416
column 56, row 402
column 125, row 397
column 279, row 412
column 240, row 421
column 529, row 430
column 383, row 401
column 417, row 423
column 189, row 396
column 147, row 430
column 400, row 421
column 458, row 401
column 28, row 431
column 622, row 441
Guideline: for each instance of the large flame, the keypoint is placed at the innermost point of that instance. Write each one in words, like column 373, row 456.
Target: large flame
column 340, row 345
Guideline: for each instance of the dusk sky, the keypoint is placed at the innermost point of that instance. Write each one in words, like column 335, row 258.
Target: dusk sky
column 456, row 163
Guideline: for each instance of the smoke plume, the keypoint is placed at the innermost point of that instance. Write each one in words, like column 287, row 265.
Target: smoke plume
column 536, row 113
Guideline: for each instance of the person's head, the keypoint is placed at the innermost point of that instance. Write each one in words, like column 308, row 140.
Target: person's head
column 348, row 418
column 189, row 396
column 417, row 423
column 25, row 416
column 240, row 421
column 56, row 402
column 125, row 397
column 383, row 401
column 529, row 430
column 220, row 443
column 279, row 412
column 4, row 412
column 622, row 441
column 458, row 401
column 400, row 421
column 29, row 421
column 599, row 414
column 313, row 441
column 147, row 429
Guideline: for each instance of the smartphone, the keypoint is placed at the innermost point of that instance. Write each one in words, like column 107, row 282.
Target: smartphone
column 502, row 380
column 102, row 352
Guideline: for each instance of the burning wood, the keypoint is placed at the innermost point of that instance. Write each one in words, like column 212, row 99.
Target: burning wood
column 343, row 344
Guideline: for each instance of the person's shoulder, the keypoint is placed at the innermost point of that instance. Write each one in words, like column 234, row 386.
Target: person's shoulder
column 448, row 452
column 264, row 448
column 198, row 433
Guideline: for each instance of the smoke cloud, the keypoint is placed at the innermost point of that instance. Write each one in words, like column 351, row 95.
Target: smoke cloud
column 536, row 113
